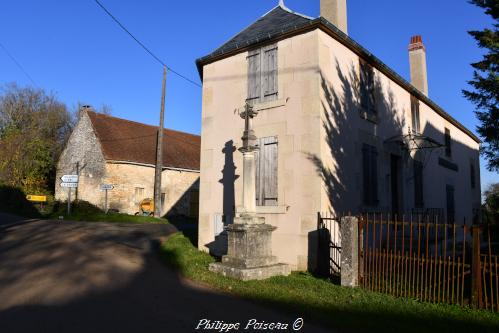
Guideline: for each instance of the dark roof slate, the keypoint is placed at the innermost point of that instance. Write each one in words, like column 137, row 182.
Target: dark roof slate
column 277, row 19
column 128, row 141
column 280, row 22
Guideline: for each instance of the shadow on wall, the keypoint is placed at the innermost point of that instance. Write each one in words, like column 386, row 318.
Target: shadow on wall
column 188, row 204
column 219, row 246
column 347, row 127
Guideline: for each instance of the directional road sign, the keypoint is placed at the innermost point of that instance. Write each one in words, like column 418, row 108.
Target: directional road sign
column 70, row 178
column 106, row 187
column 69, row 185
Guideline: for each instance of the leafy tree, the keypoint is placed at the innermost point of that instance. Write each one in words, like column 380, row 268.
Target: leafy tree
column 34, row 127
column 486, row 85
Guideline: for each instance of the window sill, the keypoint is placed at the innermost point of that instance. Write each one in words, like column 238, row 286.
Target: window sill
column 270, row 105
column 271, row 209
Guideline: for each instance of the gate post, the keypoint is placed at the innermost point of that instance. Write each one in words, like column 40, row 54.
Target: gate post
column 349, row 228
column 476, row 281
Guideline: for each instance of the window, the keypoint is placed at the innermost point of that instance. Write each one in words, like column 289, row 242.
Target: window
column 447, row 140
column 370, row 175
column 266, row 172
column 415, row 114
column 367, row 99
column 163, row 196
column 449, row 189
column 262, row 75
column 472, row 175
column 418, row 184
column 139, row 194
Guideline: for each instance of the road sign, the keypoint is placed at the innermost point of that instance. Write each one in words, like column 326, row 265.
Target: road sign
column 106, row 187
column 70, row 178
column 36, row 198
column 69, row 185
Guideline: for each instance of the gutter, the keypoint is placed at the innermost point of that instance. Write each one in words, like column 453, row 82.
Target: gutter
column 151, row 166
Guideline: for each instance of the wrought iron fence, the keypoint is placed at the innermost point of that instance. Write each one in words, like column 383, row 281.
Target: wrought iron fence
column 329, row 245
column 418, row 257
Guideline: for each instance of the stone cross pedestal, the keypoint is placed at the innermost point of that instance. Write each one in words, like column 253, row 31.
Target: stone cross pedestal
column 249, row 254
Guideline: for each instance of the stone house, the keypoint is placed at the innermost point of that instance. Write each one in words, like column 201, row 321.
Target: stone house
column 339, row 132
column 109, row 150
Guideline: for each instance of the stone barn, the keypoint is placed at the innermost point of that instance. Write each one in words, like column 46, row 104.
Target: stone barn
column 109, row 150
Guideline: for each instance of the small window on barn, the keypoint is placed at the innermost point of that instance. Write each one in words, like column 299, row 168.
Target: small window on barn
column 262, row 75
column 448, row 143
column 139, row 194
column 366, row 87
column 370, row 175
column 415, row 114
column 418, row 184
column 163, row 197
column 266, row 172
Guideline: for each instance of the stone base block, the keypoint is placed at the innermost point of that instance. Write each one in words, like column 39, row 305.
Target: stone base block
column 246, row 274
column 249, row 262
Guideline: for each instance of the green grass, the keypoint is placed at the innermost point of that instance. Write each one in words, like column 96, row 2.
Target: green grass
column 320, row 301
column 84, row 211
column 111, row 217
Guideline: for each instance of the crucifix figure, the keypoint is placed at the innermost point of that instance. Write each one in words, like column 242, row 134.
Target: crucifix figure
column 249, row 138
column 249, row 149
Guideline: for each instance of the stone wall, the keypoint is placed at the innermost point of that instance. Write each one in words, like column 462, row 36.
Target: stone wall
column 83, row 148
column 128, row 178
column 293, row 118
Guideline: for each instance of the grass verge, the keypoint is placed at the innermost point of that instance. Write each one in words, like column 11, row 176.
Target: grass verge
column 84, row 211
column 332, row 306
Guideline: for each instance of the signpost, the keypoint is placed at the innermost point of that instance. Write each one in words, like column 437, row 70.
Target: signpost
column 38, row 199
column 69, row 181
column 106, row 187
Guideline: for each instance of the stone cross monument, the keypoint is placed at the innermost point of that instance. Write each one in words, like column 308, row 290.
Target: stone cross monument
column 249, row 254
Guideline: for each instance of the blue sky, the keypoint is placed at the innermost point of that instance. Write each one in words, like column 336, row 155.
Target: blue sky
column 74, row 50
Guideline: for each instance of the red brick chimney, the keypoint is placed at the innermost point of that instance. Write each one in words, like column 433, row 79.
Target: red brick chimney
column 417, row 60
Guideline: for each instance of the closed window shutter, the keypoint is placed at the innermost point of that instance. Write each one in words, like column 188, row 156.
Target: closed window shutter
column 448, row 149
column 374, row 176
column 372, row 98
column 365, row 174
column 269, row 74
column 364, row 100
column 266, row 180
column 418, row 184
column 254, row 76
column 370, row 174
column 415, row 114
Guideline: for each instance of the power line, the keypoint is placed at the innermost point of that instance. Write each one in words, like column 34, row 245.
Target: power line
column 18, row 64
column 143, row 46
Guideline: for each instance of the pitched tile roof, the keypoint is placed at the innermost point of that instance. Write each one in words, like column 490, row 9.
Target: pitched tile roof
column 129, row 141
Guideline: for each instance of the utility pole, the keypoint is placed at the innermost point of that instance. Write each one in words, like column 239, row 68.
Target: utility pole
column 159, row 152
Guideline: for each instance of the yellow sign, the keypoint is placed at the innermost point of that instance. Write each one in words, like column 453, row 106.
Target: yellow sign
column 37, row 198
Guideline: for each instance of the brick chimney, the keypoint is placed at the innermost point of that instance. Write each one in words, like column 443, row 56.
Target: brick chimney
column 417, row 59
column 335, row 11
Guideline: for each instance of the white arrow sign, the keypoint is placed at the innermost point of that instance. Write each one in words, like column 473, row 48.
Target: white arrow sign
column 70, row 178
column 70, row 185
column 105, row 187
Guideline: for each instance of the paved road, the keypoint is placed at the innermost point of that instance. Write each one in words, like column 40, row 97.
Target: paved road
column 96, row 277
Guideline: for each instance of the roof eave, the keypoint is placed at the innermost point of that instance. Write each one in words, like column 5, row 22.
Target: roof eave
column 333, row 31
